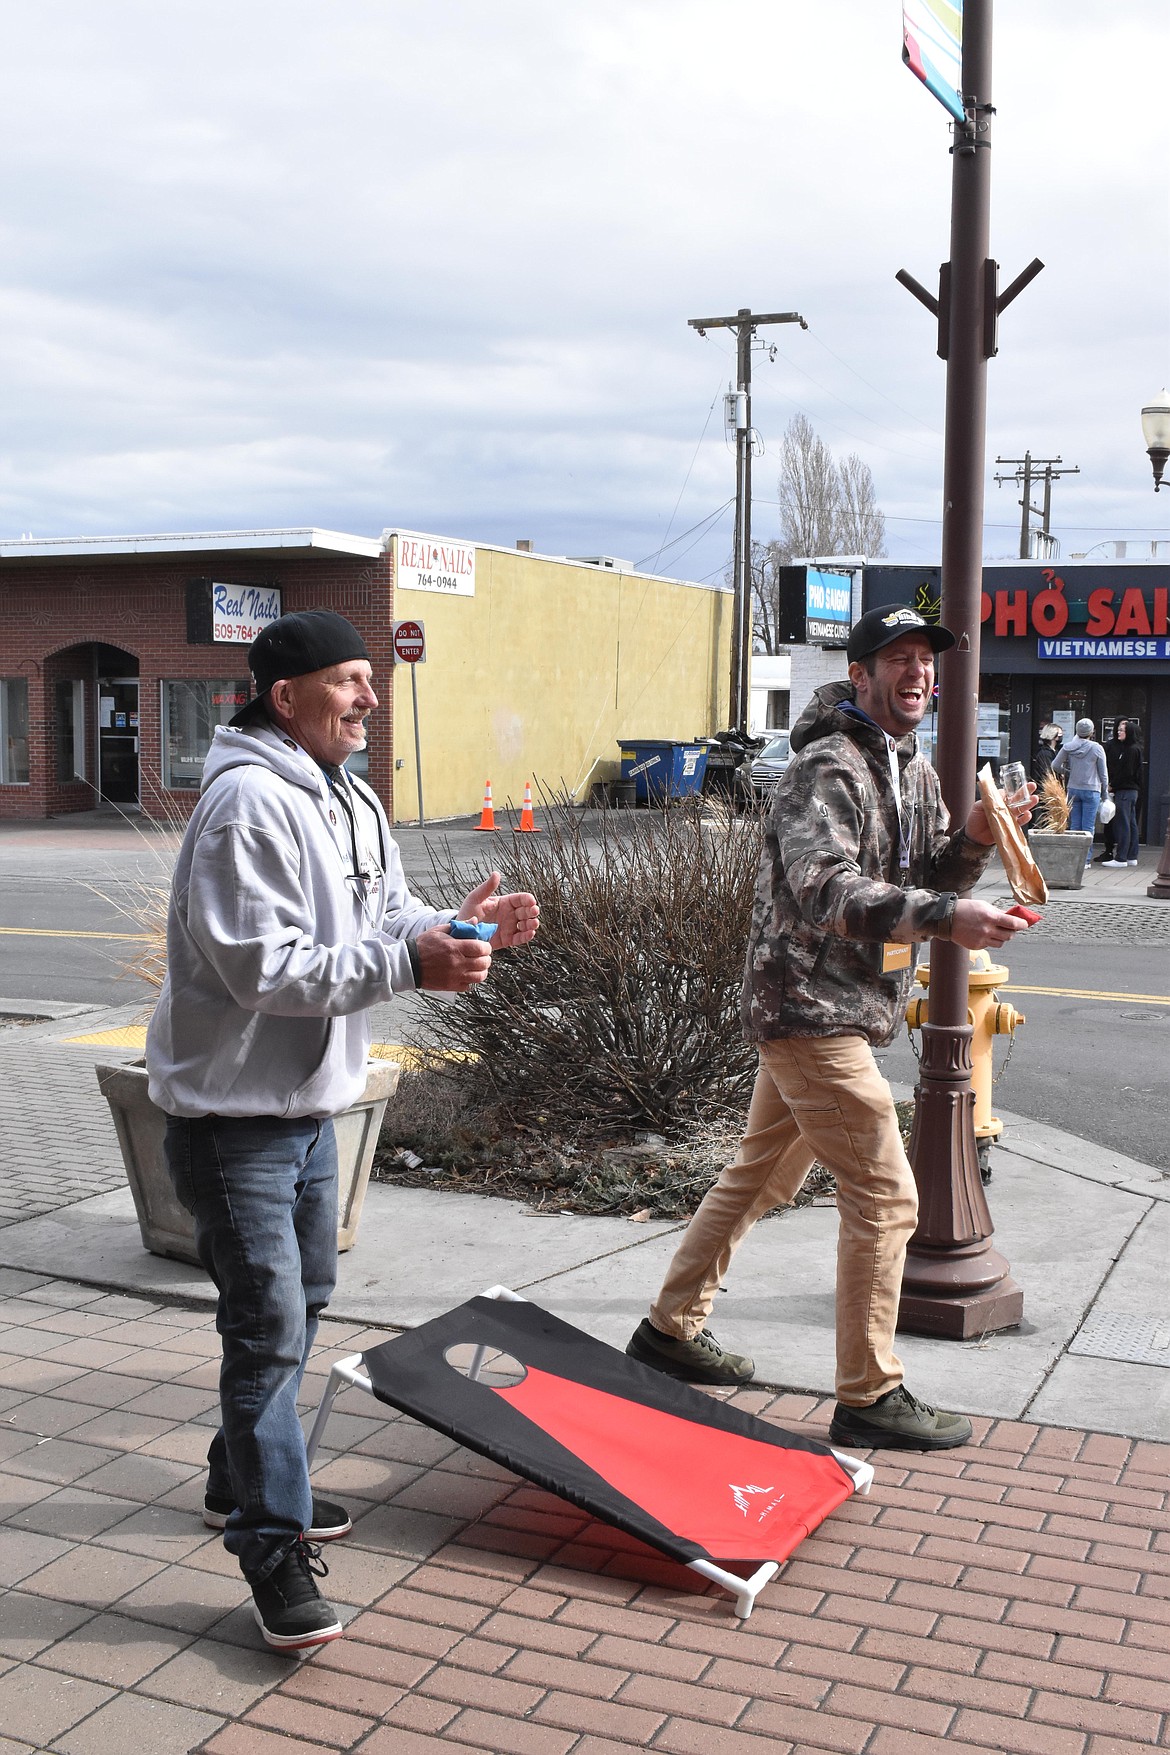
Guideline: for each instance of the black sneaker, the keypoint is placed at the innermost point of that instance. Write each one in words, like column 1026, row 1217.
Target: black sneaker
column 699, row 1360
column 898, row 1421
column 290, row 1610
column 329, row 1521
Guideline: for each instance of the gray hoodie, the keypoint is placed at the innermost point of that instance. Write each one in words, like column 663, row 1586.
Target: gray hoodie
column 273, row 953
column 1083, row 761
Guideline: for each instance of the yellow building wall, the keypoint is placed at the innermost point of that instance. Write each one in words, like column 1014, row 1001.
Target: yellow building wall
column 536, row 677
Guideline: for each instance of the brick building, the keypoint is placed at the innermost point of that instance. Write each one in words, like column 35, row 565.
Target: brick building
column 120, row 655
column 111, row 678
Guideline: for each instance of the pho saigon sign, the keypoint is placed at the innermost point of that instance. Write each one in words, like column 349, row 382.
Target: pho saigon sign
column 432, row 563
column 1131, row 621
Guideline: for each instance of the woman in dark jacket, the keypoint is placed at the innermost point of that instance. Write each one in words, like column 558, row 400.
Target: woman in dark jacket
column 1125, row 779
column 1050, row 742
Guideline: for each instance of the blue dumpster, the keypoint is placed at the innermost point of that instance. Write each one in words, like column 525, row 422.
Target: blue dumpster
column 662, row 769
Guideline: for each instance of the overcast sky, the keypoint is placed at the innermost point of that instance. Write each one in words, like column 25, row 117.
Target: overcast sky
column 360, row 263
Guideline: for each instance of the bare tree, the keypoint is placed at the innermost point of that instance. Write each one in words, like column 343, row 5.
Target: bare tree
column 826, row 508
column 810, row 492
column 861, row 525
column 766, row 558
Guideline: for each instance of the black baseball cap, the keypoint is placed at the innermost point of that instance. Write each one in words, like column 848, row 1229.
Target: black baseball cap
column 295, row 644
column 878, row 627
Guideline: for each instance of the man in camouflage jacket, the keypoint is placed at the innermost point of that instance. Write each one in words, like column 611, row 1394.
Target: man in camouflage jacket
column 858, row 865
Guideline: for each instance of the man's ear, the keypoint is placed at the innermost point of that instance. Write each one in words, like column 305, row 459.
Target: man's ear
column 858, row 675
column 280, row 697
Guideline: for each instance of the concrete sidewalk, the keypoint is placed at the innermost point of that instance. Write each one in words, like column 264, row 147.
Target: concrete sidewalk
column 1013, row 1595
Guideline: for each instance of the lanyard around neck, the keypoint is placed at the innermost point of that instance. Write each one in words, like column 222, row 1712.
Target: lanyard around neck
column 905, row 829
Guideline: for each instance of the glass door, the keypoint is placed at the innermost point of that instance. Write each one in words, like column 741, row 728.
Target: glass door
column 118, row 739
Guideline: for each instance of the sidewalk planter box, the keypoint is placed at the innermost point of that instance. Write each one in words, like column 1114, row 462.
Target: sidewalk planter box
column 660, row 768
column 1061, row 858
column 168, row 1228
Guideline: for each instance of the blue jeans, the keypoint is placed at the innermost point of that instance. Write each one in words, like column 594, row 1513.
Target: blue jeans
column 263, row 1193
column 1084, row 803
column 1126, row 825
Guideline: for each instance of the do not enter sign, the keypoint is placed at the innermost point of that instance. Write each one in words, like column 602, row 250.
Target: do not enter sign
column 410, row 643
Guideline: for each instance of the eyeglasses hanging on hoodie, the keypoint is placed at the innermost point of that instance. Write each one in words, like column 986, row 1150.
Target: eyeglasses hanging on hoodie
column 367, row 873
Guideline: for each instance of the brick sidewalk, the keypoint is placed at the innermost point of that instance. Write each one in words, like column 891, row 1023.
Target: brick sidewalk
column 1014, row 1595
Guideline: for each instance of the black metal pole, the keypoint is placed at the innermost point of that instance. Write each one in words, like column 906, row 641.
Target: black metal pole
column 955, row 1284
column 746, row 331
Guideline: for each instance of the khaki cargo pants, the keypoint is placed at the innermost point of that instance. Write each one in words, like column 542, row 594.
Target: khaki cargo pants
column 814, row 1098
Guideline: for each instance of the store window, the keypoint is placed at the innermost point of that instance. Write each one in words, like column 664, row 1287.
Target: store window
column 994, row 721
column 13, row 731
column 1062, row 703
column 70, row 731
column 778, row 709
column 191, row 710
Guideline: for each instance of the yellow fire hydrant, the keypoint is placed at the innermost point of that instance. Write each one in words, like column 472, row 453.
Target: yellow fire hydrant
column 989, row 1017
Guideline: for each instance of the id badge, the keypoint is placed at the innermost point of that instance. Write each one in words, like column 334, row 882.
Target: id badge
column 895, row 956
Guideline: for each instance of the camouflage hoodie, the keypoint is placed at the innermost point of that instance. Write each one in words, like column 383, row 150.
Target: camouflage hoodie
column 830, row 889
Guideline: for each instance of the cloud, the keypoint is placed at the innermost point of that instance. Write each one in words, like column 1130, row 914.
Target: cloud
column 369, row 263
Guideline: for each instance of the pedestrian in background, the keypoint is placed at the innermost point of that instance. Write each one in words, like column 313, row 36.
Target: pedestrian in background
column 1081, row 765
column 1113, row 748
column 1123, row 755
column 1049, row 742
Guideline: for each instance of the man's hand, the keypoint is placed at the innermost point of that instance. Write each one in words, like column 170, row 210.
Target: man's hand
column 516, row 915
column 977, row 926
column 979, row 829
column 451, row 965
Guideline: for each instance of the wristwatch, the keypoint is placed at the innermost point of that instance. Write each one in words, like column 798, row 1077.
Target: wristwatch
column 941, row 914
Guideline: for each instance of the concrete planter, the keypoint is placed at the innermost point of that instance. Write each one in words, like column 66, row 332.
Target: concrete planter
column 1061, row 858
column 168, row 1228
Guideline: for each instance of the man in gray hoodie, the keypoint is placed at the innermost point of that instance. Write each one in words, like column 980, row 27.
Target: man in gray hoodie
column 859, row 865
column 1081, row 765
column 289, row 917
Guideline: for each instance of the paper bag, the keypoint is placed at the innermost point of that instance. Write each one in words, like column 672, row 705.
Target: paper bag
column 1023, row 874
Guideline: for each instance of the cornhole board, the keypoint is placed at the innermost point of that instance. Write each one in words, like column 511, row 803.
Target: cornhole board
column 693, row 1476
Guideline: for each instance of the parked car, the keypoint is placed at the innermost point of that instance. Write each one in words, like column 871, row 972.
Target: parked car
column 768, row 766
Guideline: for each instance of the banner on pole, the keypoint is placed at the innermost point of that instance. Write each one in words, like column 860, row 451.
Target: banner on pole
column 932, row 48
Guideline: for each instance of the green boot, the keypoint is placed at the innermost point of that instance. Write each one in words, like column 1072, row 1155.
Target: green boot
column 699, row 1360
column 898, row 1421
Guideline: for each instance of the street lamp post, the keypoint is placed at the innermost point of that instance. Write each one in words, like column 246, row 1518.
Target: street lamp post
column 1156, row 432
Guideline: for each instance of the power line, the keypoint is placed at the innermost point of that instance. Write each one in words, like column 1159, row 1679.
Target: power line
column 935, row 431
column 682, row 490
column 710, row 518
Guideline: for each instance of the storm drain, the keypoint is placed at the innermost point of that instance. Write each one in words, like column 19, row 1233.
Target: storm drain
column 1129, row 1340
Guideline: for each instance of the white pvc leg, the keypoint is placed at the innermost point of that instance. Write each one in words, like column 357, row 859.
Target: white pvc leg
column 345, row 1372
column 744, row 1590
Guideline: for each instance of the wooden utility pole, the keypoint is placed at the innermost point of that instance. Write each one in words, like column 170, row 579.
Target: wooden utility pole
column 745, row 326
column 1029, row 468
column 956, row 1285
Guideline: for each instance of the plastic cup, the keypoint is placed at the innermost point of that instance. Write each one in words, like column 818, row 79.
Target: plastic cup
column 1013, row 782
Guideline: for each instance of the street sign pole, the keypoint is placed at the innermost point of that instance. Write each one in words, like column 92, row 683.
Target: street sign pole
column 409, row 641
column 417, row 745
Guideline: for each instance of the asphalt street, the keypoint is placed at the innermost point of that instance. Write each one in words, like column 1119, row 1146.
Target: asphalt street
column 1090, row 1059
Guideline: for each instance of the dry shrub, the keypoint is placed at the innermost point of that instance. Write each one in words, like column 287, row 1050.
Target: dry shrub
column 624, row 1013
column 1054, row 806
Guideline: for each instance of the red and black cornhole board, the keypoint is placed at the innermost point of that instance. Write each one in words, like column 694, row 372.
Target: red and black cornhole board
column 693, row 1476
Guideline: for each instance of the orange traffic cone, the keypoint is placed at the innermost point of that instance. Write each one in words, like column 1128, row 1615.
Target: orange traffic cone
column 527, row 820
column 487, row 818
